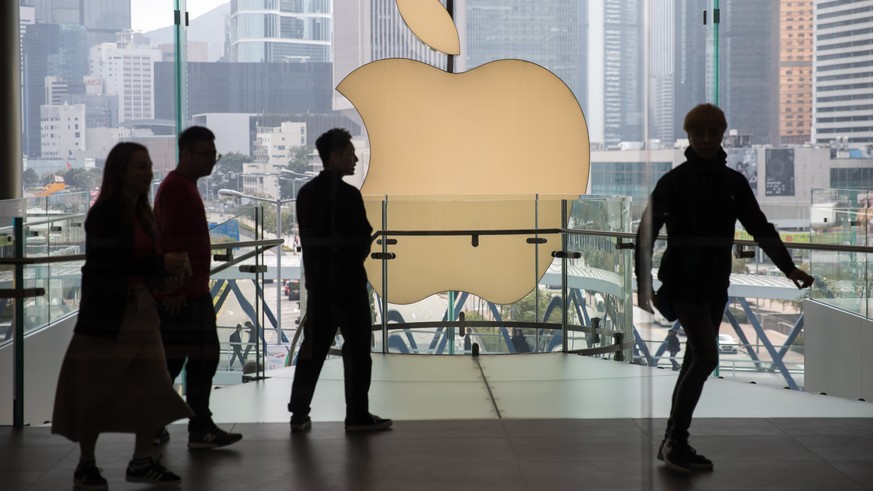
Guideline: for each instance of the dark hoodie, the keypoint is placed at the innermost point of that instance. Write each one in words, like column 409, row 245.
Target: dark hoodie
column 700, row 202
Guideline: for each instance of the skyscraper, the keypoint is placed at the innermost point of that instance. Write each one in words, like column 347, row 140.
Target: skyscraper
column 843, row 107
column 550, row 33
column 795, row 71
column 689, row 62
column 623, row 94
column 287, row 31
column 102, row 18
column 749, row 68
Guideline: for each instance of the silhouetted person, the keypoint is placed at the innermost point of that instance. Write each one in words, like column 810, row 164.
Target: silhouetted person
column 468, row 342
column 519, row 342
column 673, row 348
column 335, row 236
column 699, row 202
column 253, row 339
column 187, row 313
column 114, row 375
column 236, row 345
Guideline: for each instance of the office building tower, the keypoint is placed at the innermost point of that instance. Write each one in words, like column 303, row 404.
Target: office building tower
column 690, row 62
column 370, row 30
column 127, row 71
column 47, row 50
column 102, row 18
column 660, row 38
column 749, row 68
column 795, row 71
column 247, row 88
column 550, row 33
column 288, row 31
column 843, row 102
column 623, row 94
column 63, row 130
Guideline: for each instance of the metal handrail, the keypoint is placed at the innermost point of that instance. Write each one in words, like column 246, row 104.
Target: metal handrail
column 602, row 233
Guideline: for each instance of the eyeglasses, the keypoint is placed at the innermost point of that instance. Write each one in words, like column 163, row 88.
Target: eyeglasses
column 208, row 155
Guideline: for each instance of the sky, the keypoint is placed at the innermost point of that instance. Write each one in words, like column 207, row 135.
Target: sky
column 147, row 15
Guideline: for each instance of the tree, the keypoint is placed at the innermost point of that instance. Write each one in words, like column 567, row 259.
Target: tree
column 82, row 179
column 299, row 164
column 30, row 178
column 226, row 173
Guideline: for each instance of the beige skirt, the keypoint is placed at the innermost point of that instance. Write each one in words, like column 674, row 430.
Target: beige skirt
column 121, row 385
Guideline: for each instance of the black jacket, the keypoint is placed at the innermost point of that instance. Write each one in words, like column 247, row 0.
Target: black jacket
column 700, row 202
column 109, row 265
column 334, row 232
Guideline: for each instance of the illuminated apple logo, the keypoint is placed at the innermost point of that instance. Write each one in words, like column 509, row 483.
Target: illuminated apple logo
column 466, row 151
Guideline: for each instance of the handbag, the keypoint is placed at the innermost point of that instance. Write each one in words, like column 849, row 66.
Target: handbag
column 662, row 303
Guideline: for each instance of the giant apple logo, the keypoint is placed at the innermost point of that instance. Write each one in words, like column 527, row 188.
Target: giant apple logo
column 466, row 151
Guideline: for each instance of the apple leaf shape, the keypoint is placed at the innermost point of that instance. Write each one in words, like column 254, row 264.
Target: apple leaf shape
column 432, row 24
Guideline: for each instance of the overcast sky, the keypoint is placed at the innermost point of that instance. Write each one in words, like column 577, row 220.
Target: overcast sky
column 147, row 15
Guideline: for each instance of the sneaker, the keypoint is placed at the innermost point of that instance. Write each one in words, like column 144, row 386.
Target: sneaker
column 370, row 423
column 152, row 473
column 87, row 477
column 695, row 460
column 300, row 425
column 162, row 436
column 213, row 438
column 676, row 456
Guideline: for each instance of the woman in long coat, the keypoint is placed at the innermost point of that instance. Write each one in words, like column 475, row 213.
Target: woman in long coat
column 114, row 375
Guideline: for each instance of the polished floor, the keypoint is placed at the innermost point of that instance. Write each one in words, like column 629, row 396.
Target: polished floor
column 529, row 422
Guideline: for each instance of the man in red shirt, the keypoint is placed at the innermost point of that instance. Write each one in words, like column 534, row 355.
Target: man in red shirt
column 187, row 314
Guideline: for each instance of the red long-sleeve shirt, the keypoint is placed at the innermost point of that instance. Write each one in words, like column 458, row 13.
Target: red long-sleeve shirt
column 181, row 222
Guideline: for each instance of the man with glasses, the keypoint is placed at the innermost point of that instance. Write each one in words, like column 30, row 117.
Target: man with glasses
column 187, row 314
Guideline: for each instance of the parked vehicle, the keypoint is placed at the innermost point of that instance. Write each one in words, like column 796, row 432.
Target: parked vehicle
column 291, row 289
column 727, row 344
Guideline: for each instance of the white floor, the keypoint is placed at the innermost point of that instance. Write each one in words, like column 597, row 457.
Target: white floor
column 537, row 386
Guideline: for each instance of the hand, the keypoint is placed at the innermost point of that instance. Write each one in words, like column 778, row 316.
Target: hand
column 800, row 278
column 173, row 305
column 173, row 282
column 644, row 299
column 177, row 263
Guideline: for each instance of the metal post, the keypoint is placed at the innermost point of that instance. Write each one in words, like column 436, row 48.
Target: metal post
column 180, row 23
column 279, row 271
column 10, row 95
column 18, row 335
column 565, row 304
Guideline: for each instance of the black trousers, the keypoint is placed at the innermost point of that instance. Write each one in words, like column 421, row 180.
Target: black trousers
column 191, row 336
column 700, row 320
column 348, row 310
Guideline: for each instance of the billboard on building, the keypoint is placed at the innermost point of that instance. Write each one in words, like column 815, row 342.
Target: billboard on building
column 779, row 172
column 745, row 161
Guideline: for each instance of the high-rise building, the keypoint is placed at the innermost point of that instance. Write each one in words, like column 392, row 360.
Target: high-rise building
column 749, row 68
column 47, row 50
column 127, row 71
column 550, row 33
column 690, row 62
column 102, row 18
column 370, row 30
column 273, row 145
column 623, row 71
column 287, row 31
column 660, row 38
column 843, row 102
column 795, row 71
column 259, row 88
column 63, row 130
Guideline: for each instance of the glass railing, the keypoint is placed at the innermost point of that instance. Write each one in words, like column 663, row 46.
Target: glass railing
column 841, row 220
column 53, row 239
column 501, row 274
column 508, row 276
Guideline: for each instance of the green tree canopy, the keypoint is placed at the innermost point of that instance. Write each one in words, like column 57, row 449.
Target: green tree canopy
column 226, row 173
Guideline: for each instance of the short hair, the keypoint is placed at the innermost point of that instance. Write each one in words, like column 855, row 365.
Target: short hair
column 333, row 140
column 704, row 115
column 194, row 134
